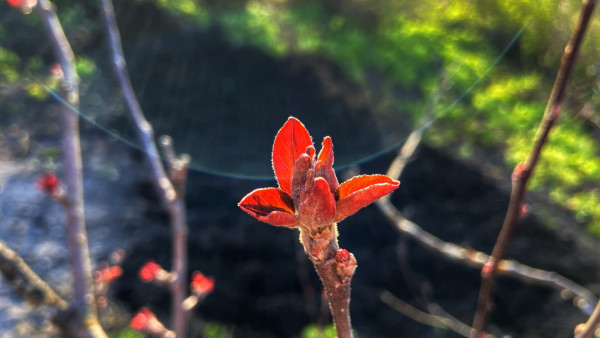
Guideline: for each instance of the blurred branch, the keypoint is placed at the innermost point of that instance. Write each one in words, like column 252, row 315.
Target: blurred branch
column 473, row 258
column 71, row 152
column 467, row 256
column 26, row 282
column 444, row 322
column 589, row 328
column 170, row 189
column 38, row 293
column 523, row 171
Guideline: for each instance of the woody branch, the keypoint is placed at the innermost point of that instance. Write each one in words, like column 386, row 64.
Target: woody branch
column 170, row 187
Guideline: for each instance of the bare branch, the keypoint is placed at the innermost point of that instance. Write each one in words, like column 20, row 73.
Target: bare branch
column 26, row 282
column 477, row 259
column 170, row 189
column 444, row 322
column 523, row 171
column 71, row 152
column 470, row 257
column 589, row 328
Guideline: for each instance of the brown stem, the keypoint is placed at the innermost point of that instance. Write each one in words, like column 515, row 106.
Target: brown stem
column 322, row 253
column 26, row 282
column 83, row 300
column 589, row 328
column 442, row 321
column 523, row 171
column 170, row 189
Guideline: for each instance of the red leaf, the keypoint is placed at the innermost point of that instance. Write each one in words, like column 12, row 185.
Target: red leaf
column 325, row 168
column 291, row 141
column 270, row 205
column 299, row 176
column 317, row 207
column 360, row 191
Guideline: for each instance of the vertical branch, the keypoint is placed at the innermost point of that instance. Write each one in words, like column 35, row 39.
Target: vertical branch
column 83, row 301
column 523, row 171
column 170, row 189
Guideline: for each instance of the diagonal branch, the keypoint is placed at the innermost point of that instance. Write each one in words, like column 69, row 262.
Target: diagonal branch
column 441, row 321
column 477, row 259
column 523, row 171
column 170, row 188
column 26, row 282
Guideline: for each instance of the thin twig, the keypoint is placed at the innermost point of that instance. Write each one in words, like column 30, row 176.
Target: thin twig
column 424, row 317
column 589, row 328
column 26, row 282
column 477, row 259
column 171, row 196
column 524, row 171
column 83, row 300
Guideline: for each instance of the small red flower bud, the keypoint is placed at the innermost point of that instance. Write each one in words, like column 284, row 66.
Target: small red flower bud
column 14, row 3
column 56, row 71
column 345, row 264
column 519, row 171
column 201, row 284
column 149, row 271
column 488, row 268
column 22, row 3
column 524, row 210
column 48, row 183
column 342, row 256
column 107, row 274
column 141, row 319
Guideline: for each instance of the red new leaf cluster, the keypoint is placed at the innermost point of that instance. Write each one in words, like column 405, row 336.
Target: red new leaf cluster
column 106, row 274
column 142, row 318
column 21, row 3
column 201, row 284
column 309, row 195
column 149, row 271
column 48, row 183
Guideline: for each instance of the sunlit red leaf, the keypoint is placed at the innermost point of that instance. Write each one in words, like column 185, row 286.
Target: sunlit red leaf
column 270, row 205
column 361, row 191
column 291, row 141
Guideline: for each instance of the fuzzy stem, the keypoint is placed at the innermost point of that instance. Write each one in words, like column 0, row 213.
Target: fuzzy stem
column 524, row 171
column 322, row 254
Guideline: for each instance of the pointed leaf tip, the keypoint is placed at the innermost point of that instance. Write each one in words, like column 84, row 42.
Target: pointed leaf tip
column 270, row 205
column 290, row 142
column 360, row 191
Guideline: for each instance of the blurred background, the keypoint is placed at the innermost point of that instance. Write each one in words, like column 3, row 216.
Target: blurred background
column 221, row 77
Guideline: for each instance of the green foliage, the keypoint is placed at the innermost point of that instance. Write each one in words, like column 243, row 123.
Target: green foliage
column 85, row 67
column 316, row 331
column 126, row 333
column 189, row 8
column 215, row 330
column 8, row 66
